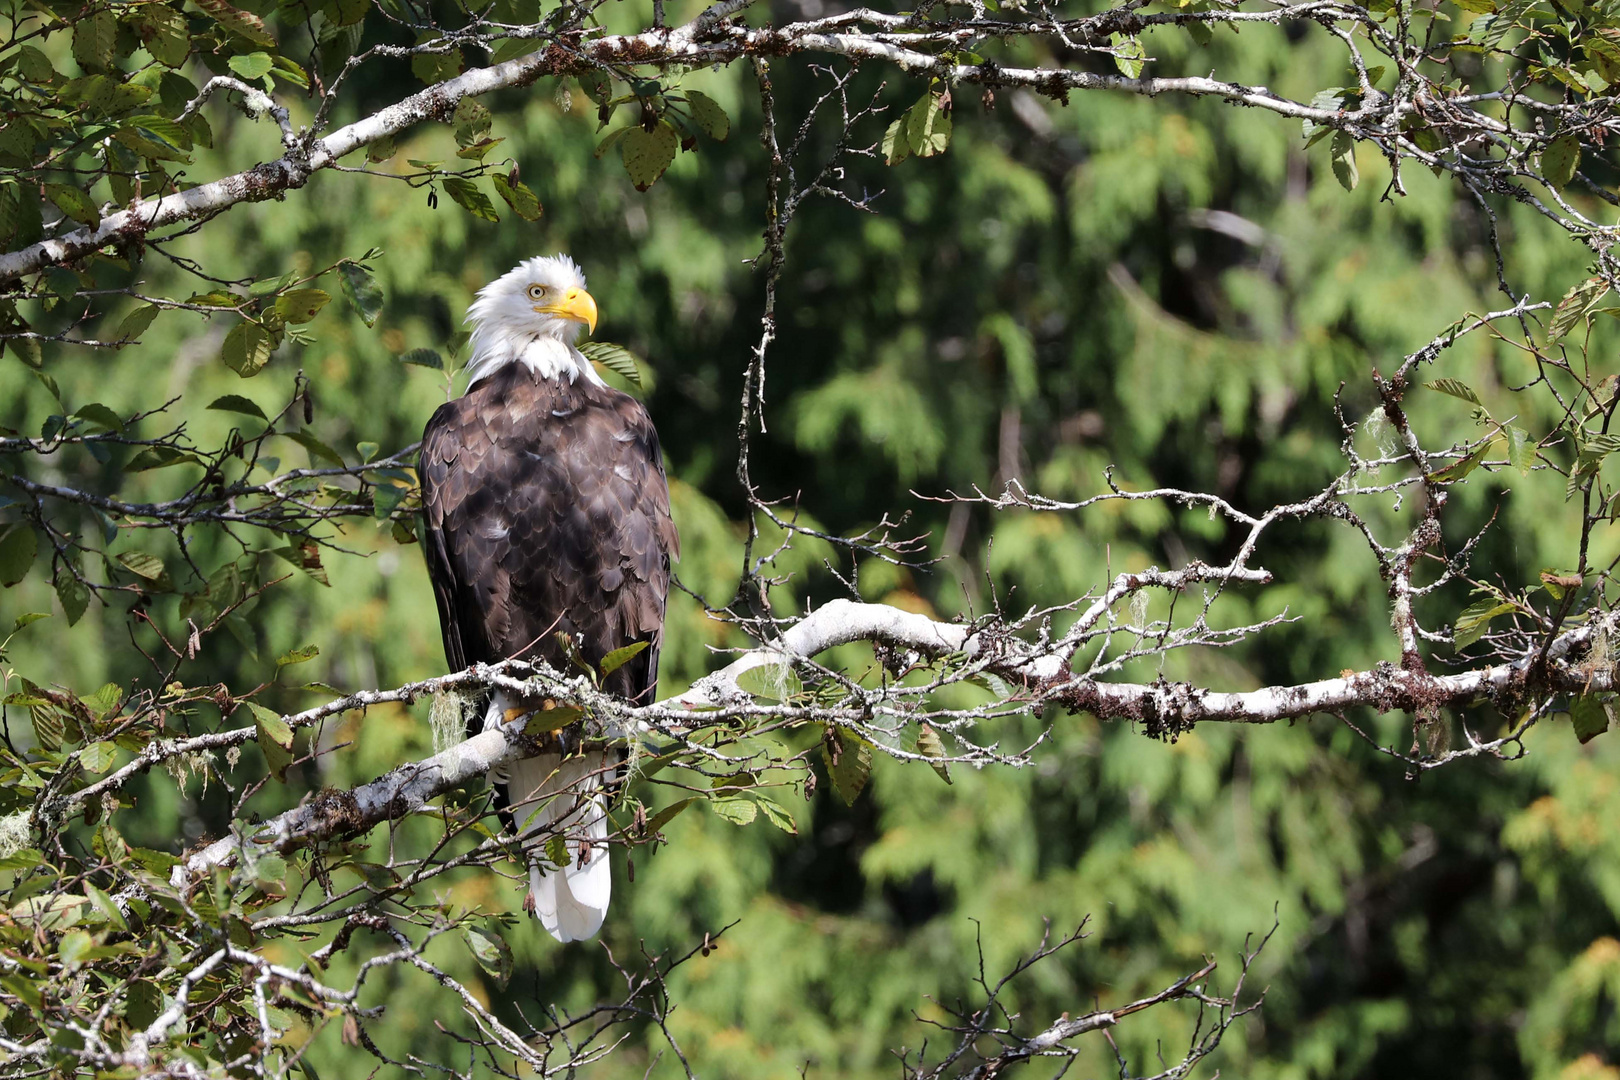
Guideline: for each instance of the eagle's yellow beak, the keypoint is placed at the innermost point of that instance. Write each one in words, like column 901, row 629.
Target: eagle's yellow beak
column 576, row 304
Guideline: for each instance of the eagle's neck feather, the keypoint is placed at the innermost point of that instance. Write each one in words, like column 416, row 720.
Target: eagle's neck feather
column 546, row 357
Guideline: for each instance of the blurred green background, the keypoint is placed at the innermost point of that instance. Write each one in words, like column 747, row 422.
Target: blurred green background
column 1171, row 286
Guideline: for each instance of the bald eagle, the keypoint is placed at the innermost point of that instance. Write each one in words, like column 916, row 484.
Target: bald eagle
column 547, row 518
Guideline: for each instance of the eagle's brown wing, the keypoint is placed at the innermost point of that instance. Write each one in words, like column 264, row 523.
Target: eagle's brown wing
column 546, row 511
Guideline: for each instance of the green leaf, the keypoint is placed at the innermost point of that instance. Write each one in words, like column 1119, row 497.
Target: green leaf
column 1129, row 56
column 611, row 139
column 74, row 948
column 18, row 546
column 98, row 757
column 95, row 36
column 524, row 203
column 72, row 594
column 777, row 682
column 362, row 292
column 160, row 457
column 1559, row 160
column 298, row 656
column 100, row 415
column 849, row 763
column 28, row 619
column 492, row 953
column 1575, row 305
column 1521, row 452
column 545, row 720
column 668, row 814
column 74, row 203
column 616, row 659
column 238, row 22
column 648, row 153
column 143, row 1003
column 708, row 115
column 142, row 564
column 1475, row 619
column 246, row 349
column 251, row 66
column 316, row 448
column 1457, row 470
column 23, row 859
column 299, row 306
column 1343, row 156
column 165, row 34
column 616, row 358
column 275, row 738
column 894, row 146
column 136, row 322
column 928, row 127
column 470, row 198
column 930, row 745
column 776, row 815
column 1456, row 389
column 435, row 67
column 381, row 150
column 1558, row 583
column 155, row 137
column 238, row 404
column 1590, row 717
column 428, row 358
column 737, row 810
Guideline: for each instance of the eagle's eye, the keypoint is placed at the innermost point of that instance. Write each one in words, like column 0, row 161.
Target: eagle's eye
column 537, row 292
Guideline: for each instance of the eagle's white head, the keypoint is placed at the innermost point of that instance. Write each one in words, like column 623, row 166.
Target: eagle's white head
column 532, row 316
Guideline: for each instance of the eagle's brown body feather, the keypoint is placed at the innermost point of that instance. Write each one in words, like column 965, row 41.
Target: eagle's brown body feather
column 547, row 512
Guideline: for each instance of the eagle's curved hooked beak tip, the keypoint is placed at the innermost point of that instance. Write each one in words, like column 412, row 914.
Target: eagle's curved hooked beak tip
column 576, row 304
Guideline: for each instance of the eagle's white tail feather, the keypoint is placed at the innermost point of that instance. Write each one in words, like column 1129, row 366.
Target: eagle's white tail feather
column 570, row 902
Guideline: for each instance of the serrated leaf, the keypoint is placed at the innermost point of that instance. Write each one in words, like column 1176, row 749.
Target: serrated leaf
column 435, row 67
column 708, row 115
column 95, row 35
column 428, row 358
column 135, row 323
column 738, row 810
column 100, row 415
column 246, row 349
column 928, row 127
column 381, row 150
column 316, row 448
column 1521, row 452
column 238, row 22
column 165, row 34
column 251, row 66
column 930, row 745
column 72, row 595
column 1129, row 56
column 1457, row 470
column 545, row 720
column 777, row 816
column 160, row 457
column 1590, row 717
column 1475, row 619
column 492, row 953
column 274, row 736
column 1456, row 388
column 524, row 203
column 616, row 659
column 298, row 656
column 142, row 564
column 18, row 546
column 468, row 196
column 1557, row 583
column 238, row 404
column 98, row 757
column 616, row 358
column 299, row 306
column 777, row 682
column 668, row 814
column 1342, row 154
column 849, row 763
column 1575, row 305
column 73, row 203
column 362, row 292
column 895, row 148
column 647, row 154
column 155, row 137
column 1559, row 160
